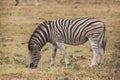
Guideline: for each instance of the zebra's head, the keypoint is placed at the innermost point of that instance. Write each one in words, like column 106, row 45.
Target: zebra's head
column 34, row 55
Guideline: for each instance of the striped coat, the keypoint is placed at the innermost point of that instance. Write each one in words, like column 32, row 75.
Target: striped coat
column 68, row 31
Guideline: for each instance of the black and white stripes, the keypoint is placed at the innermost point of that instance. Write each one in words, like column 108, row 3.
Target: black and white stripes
column 70, row 31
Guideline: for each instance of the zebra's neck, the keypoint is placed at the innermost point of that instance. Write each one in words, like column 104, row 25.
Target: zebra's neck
column 41, row 35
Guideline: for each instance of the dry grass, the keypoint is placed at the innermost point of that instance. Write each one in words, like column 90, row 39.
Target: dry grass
column 18, row 22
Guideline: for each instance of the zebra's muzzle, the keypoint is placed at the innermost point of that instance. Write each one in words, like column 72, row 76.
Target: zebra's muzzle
column 33, row 66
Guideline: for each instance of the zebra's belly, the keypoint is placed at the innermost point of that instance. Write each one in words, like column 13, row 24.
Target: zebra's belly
column 68, row 40
column 71, row 43
column 75, row 42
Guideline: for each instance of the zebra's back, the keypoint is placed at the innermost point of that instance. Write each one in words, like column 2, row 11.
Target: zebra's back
column 76, row 31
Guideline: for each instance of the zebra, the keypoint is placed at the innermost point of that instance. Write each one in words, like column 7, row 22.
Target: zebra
column 25, row 2
column 68, row 31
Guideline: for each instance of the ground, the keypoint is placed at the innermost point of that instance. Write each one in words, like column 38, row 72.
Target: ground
column 18, row 22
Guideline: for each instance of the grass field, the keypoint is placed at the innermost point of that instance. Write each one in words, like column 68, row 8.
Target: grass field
column 18, row 22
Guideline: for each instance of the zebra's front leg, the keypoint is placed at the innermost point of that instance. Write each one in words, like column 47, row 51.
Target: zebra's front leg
column 62, row 48
column 54, row 49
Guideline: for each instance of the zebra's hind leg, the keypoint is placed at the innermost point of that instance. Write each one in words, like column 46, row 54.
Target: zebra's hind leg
column 54, row 49
column 101, row 55
column 62, row 48
column 95, row 48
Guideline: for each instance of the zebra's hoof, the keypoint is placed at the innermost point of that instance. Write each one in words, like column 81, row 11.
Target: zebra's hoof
column 51, row 65
column 67, row 65
column 16, row 4
column 93, row 65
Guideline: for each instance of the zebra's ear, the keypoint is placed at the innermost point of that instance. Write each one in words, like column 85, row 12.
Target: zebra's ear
column 45, row 22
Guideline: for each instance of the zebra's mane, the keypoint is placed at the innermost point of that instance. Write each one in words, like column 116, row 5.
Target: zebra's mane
column 45, row 23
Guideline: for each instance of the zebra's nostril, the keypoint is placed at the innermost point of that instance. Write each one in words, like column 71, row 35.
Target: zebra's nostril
column 33, row 66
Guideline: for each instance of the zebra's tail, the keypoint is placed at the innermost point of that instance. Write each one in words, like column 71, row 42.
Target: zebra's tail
column 103, row 40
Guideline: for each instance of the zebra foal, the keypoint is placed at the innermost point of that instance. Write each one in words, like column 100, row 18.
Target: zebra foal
column 68, row 31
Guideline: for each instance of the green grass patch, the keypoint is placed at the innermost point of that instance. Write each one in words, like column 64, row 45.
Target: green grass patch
column 4, row 60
